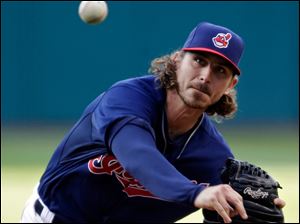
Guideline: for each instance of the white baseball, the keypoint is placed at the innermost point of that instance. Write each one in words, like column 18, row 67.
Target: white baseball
column 93, row 12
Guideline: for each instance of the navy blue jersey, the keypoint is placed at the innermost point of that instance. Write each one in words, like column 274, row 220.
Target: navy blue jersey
column 117, row 162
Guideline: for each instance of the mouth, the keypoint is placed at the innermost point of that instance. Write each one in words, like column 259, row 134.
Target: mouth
column 202, row 89
column 199, row 92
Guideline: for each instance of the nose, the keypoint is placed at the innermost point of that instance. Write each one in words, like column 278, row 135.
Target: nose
column 205, row 74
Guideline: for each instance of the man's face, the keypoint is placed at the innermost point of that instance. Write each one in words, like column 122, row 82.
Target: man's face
column 202, row 78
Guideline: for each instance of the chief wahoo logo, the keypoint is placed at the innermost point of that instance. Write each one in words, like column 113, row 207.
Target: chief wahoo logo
column 222, row 40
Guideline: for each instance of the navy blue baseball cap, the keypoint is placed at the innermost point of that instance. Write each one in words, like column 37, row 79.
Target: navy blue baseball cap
column 216, row 39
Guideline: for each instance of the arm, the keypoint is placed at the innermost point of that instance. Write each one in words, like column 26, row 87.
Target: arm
column 135, row 149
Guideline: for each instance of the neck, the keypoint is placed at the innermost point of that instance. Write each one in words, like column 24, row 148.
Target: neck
column 181, row 118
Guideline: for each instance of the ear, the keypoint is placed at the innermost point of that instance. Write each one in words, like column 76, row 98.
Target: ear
column 176, row 56
column 232, row 84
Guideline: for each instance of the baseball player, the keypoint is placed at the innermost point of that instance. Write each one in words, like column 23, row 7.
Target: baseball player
column 146, row 150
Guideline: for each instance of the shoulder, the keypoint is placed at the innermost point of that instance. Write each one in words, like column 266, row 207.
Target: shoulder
column 144, row 88
column 138, row 97
column 145, row 82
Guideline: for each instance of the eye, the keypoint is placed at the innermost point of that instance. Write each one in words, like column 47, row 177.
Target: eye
column 221, row 69
column 201, row 61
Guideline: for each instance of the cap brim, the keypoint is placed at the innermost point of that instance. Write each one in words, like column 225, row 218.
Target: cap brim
column 237, row 70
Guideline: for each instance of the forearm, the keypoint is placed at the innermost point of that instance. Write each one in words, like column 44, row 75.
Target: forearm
column 135, row 149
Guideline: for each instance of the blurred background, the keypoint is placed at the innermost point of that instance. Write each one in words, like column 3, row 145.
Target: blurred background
column 53, row 65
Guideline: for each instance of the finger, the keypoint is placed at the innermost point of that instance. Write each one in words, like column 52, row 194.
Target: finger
column 241, row 210
column 226, row 206
column 238, row 204
column 233, row 213
column 279, row 202
column 221, row 211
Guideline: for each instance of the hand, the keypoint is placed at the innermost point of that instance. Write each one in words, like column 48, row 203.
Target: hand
column 279, row 202
column 223, row 199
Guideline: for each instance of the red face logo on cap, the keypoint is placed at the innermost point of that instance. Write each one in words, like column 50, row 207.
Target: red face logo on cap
column 222, row 40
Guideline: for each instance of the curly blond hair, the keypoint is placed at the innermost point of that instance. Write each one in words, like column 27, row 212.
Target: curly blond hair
column 164, row 68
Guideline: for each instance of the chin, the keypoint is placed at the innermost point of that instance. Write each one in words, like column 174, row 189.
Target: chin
column 195, row 99
column 197, row 103
column 200, row 97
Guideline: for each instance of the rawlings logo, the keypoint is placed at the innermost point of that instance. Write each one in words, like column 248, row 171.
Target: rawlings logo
column 222, row 40
column 256, row 194
column 107, row 164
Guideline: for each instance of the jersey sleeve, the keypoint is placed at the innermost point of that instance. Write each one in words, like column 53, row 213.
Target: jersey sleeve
column 135, row 149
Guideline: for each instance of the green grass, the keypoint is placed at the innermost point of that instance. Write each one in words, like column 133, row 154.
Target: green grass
column 16, row 187
column 23, row 146
column 26, row 151
column 265, row 145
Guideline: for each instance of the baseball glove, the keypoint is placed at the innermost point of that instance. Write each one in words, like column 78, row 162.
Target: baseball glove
column 258, row 190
